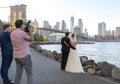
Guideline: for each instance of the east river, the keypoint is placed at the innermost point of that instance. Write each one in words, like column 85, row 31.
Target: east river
column 100, row 51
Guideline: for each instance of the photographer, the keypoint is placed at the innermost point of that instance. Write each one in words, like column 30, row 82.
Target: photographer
column 20, row 40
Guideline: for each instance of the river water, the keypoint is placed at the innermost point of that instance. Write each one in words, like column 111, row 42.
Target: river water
column 100, row 51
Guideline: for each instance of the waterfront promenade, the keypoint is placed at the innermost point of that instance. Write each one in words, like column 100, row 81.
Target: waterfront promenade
column 47, row 71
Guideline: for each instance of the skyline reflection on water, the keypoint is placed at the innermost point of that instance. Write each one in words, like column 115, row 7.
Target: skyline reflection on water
column 100, row 51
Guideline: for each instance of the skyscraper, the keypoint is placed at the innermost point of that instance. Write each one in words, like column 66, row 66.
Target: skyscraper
column 35, row 23
column 102, row 28
column 63, row 26
column 46, row 24
column 72, row 24
column 86, row 33
column 57, row 26
column 80, row 25
column 117, row 31
column 77, row 30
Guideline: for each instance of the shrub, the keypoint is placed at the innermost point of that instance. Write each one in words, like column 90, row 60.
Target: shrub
column 38, row 37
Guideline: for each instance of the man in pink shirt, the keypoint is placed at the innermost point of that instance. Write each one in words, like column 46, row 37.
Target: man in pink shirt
column 20, row 41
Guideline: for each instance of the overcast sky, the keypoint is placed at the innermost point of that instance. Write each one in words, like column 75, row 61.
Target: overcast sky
column 91, row 12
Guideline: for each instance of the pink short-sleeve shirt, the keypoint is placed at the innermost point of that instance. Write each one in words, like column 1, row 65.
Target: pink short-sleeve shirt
column 20, row 42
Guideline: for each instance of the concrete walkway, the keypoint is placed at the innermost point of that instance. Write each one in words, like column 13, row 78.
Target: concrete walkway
column 47, row 71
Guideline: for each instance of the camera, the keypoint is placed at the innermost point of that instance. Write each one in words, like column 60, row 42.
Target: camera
column 27, row 26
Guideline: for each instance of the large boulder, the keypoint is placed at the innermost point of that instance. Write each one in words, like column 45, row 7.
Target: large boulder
column 91, row 71
column 83, row 59
column 47, row 53
column 33, row 45
column 58, row 56
column 99, row 72
column 59, row 60
column 54, row 53
column 116, row 73
column 38, row 48
column 88, row 62
column 106, row 68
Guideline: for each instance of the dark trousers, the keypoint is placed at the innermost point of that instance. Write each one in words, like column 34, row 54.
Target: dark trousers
column 6, row 62
column 64, row 59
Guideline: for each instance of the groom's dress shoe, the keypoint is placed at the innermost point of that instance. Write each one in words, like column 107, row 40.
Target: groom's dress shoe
column 63, row 69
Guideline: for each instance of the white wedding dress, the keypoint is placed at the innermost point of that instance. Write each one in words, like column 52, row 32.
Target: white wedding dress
column 73, row 63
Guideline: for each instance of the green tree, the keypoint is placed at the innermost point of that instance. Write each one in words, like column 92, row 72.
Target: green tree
column 38, row 37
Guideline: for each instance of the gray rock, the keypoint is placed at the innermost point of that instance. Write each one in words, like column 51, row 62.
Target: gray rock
column 91, row 71
column 58, row 56
column 54, row 53
column 116, row 73
column 88, row 62
column 59, row 60
column 99, row 73
column 83, row 59
column 34, row 44
column 106, row 68
column 38, row 48
column 47, row 53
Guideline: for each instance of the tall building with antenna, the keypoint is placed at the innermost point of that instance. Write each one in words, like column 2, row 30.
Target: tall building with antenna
column 72, row 24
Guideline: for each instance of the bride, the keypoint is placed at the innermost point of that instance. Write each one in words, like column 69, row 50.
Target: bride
column 73, row 63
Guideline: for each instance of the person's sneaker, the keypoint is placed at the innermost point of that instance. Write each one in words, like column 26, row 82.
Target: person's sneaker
column 9, row 82
column 63, row 69
column 12, row 81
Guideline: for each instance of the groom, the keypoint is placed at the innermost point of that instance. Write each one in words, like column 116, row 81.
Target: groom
column 66, row 45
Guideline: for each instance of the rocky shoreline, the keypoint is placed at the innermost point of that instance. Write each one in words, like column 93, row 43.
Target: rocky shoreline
column 101, row 69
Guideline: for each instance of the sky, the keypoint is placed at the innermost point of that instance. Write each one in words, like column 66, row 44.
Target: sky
column 91, row 12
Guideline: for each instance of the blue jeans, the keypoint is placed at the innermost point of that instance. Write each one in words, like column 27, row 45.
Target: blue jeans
column 7, row 58
column 27, row 64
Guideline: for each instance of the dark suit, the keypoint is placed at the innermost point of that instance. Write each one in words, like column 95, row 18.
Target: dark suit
column 65, row 51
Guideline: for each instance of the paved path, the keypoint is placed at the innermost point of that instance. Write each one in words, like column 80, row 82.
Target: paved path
column 47, row 71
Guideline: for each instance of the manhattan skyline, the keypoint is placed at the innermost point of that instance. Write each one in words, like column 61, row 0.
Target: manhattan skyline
column 91, row 12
